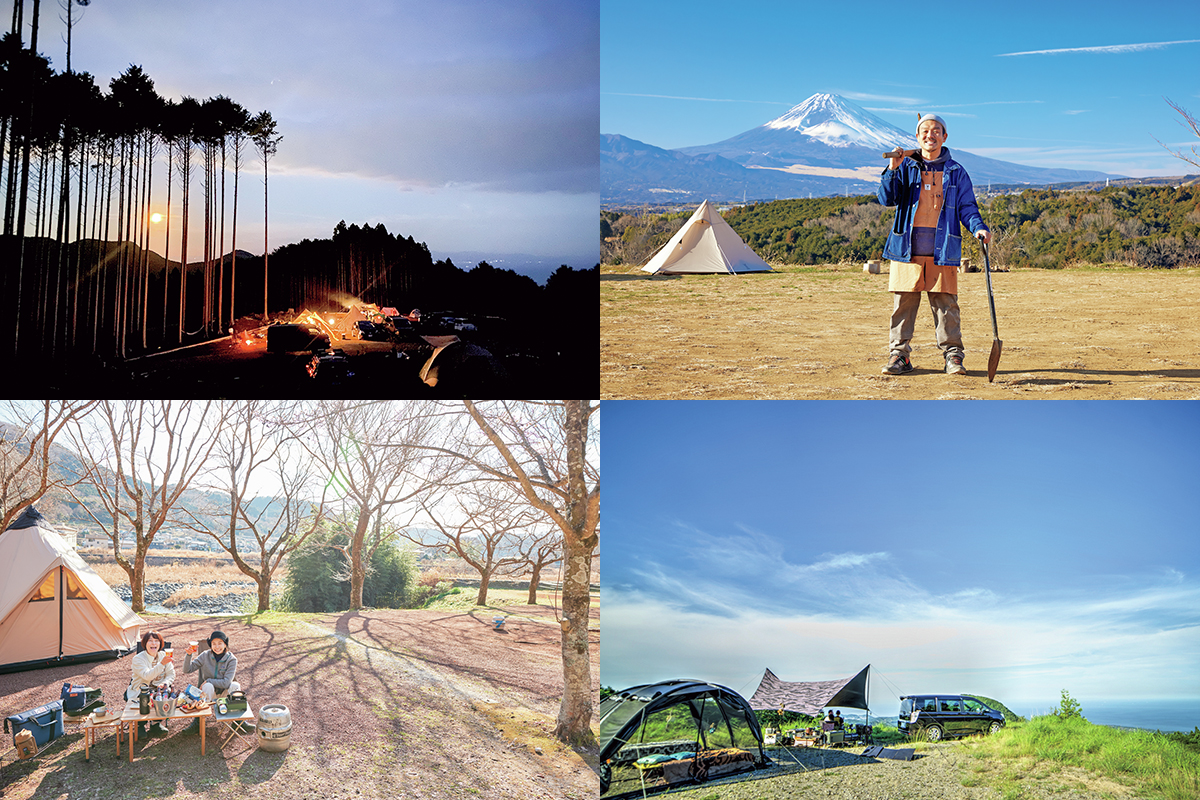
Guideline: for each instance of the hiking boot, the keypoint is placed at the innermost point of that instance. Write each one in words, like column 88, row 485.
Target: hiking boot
column 898, row 365
column 159, row 729
column 954, row 365
column 194, row 727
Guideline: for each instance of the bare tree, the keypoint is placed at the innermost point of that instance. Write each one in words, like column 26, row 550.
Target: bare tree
column 491, row 527
column 540, row 553
column 140, row 461
column 250, row 446
column 377, row 459
column 27, row 432
column 1192, row 123
column 542, row 448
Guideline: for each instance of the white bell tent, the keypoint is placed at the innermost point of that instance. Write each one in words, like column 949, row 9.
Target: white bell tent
column 706, row 243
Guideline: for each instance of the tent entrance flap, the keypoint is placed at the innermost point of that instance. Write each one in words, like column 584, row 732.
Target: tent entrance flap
column 809, row 697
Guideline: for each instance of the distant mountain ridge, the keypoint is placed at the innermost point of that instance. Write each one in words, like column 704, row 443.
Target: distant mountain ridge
column 826, row 145
column 60, row 508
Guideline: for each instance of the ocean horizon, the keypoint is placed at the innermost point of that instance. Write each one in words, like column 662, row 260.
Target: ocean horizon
column 1158, row 714
column 1152, row 715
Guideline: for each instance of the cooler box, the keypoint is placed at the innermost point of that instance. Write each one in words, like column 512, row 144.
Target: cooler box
column 79, row 701
column 44, row 722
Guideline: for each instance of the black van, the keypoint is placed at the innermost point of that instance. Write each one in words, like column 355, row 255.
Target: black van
column 937, row 716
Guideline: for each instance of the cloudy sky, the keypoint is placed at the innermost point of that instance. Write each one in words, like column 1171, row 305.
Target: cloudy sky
column 1069, row 84
column 1008, row 549
column 467, row 124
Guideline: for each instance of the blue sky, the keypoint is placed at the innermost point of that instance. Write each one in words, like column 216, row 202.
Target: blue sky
column 465, row 124
column 1008, row 549
column 675, row 74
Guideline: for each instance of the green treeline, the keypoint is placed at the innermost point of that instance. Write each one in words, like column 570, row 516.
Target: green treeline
column 814, row 231
column 1139, row 226
column 1143, row 226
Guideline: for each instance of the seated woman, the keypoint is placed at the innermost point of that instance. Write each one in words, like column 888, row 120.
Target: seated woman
column 152, row 667
column 216, row 666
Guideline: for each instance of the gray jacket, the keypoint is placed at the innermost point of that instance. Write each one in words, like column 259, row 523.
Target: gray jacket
column 218, row 673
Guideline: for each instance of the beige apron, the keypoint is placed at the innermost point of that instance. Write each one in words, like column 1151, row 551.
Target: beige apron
column 921, row 274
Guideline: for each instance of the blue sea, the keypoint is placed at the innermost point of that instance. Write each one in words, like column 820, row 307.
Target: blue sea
column 1153, row 715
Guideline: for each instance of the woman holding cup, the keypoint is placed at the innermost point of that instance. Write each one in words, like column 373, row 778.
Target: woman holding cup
column 216, row 665
column 153, row 667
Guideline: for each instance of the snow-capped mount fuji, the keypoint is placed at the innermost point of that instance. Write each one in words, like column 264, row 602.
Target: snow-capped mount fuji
column 826, row 130
column 826, row 145
column 833, row 120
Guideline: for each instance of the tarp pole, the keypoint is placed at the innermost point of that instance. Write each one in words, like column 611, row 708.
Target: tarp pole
column 61, row 587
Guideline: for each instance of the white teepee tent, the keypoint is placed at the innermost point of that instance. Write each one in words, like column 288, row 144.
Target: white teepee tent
column 706, row 243
column 54, row 608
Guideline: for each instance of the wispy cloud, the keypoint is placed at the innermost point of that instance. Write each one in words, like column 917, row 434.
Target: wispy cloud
column 1003, row 645
column 842, row 561
column 992, row 103
column 698, row 99
column 1112, row 48
column 1073, row 112
column 882, row 98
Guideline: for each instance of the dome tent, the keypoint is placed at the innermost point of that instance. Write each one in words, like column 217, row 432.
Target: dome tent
column 54, row 608
column 694, row 730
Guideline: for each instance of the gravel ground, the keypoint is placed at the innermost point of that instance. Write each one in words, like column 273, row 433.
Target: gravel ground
column 829, row 774
column 397, row 704
column 935, row 773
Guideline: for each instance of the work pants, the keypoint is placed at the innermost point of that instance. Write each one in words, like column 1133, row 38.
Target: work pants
column 945, row 320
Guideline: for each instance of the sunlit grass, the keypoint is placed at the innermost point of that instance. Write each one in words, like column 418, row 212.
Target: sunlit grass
column 1071, row 752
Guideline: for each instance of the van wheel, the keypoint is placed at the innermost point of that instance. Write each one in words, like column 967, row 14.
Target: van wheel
column 995, row 727
column 934, row 733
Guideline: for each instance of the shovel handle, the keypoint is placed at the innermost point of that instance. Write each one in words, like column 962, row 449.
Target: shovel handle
column 898, row 153
column 987, row 266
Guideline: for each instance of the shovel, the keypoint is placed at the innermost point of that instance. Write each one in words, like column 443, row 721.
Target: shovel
column 994, row 357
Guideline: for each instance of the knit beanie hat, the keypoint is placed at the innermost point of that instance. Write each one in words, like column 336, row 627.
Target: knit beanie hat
column 934, row 118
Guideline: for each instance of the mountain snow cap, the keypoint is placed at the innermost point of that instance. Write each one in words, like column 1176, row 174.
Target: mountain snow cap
column 837, row 122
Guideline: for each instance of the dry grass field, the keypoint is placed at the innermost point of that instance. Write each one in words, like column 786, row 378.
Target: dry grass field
column 221, row 568
column 822, row 333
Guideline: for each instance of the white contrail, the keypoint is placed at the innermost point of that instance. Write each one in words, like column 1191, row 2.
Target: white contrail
column 1112, row 48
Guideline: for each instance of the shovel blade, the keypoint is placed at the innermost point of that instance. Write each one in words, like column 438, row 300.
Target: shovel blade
column 994, row 359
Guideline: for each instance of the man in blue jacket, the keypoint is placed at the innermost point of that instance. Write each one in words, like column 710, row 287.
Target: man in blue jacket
column 933, row 195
